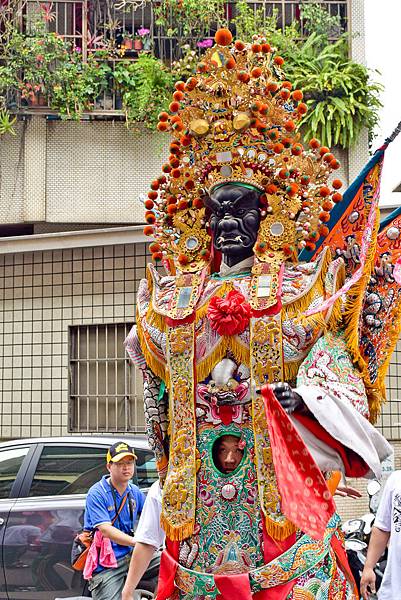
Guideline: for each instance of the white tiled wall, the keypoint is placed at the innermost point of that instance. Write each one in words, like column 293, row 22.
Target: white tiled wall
column 41, row 294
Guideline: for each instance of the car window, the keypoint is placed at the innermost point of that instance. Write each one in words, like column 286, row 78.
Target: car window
column 68, row 470
column 146, row 472
column 10, row 463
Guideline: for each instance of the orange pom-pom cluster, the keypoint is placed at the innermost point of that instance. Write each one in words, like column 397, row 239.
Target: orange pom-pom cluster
column 223, row 37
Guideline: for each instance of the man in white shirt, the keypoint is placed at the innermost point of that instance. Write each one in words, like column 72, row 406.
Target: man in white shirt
column 149, row 536
column 387, row 527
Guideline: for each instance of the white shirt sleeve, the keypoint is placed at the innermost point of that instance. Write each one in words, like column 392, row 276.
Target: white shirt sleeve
column 149, row 530
column 383, row 518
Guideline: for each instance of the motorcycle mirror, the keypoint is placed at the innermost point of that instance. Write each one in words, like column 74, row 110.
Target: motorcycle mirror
column 373, row 487
column 356, row 545
column 352, row 526
column 368, row 519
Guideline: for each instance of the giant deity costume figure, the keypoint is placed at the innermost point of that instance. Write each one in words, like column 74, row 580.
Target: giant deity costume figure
column 241, row 338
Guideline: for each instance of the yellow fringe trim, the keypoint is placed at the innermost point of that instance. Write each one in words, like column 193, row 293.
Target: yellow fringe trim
column 175, row 533
column 291, row 370
column 295, row 309
column 204, row 368
column 149, row 279
column 334, row 317
column 240, row 352
column 156, row 319
column 155, row 365
column 351, row 315
column 279, row 531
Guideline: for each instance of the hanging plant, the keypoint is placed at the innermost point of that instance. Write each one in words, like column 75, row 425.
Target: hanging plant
column 340, row 94
column 145, row 86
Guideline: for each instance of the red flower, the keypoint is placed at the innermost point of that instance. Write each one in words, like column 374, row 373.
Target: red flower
column 229, row 315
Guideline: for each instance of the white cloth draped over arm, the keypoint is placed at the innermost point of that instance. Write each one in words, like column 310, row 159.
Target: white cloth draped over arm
column 333, row 391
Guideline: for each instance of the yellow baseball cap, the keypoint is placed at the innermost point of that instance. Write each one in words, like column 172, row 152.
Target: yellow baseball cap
column 118, row 450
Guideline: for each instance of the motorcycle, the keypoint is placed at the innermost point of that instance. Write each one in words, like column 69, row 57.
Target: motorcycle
column 357, row 534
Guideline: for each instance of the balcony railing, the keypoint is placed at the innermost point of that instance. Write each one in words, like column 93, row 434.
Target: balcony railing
column 90, row 25
column 85, row 23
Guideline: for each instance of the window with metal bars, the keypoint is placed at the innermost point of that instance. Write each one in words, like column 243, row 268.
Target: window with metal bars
column 106, row 391
column 389, row 422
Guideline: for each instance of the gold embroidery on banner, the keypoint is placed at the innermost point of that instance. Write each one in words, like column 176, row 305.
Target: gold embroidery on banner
column 178, row 506
column 267, row 367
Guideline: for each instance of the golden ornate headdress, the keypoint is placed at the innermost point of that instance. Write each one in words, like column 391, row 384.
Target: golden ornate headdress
column 235, row 121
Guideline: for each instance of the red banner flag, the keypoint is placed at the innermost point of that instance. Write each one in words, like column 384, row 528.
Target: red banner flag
column 305, row 497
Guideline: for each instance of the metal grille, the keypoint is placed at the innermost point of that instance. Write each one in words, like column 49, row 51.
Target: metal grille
column 106, row 392
column 390, row 419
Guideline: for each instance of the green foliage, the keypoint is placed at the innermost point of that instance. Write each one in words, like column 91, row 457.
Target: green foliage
column 7, row 122
column 341, row 97
column 77, row 84
column 145, row 86
column 189, row 19
column 248, row 20
column 186, row 66
column 318, row 20
column 34, row 57
column 43, row 64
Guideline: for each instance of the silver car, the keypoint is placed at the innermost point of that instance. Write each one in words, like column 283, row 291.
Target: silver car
column 43, row 485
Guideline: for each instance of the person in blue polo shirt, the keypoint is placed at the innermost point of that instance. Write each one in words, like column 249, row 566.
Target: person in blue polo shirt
column 112, row 505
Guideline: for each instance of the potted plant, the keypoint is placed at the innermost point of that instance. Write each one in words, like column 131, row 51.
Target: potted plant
column 189, row 20
column 35, row 56
column 128, row 41
column 144, row 35
column 138, row 43
column 186, row 65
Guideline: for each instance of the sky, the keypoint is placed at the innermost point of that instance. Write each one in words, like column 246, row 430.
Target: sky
column 382, row 35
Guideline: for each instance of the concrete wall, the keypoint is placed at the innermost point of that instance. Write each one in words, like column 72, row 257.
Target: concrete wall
column 41, row 295
column 87, row 172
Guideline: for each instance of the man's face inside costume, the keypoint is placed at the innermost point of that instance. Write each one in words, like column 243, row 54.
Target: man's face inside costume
column 227, row 453
column 234, row 221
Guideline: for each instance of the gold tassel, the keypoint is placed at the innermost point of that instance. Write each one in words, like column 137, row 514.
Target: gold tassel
column 334, row 315
column 377, row 393
column 294, row 310
column 291, row 370
column 279, row 531
column 155, row 319
column 175, row 533
column 149, row 279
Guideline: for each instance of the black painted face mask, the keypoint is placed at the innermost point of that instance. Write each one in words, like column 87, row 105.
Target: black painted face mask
column 234, row 221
